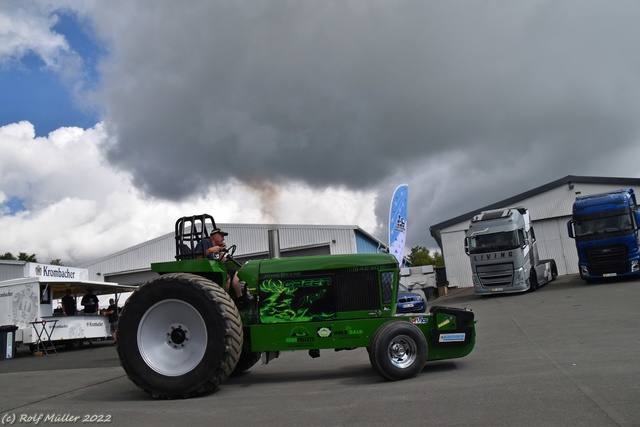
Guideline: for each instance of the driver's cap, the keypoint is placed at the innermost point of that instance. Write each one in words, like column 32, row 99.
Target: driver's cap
column 219, row 231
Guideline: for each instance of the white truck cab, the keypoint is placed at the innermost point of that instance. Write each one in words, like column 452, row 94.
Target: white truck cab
column 501, row 245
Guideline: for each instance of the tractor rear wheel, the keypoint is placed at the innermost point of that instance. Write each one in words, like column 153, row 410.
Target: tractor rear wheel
column 398, row 350
column 179, row 335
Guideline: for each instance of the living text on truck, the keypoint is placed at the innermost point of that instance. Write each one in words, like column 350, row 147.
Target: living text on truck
column 503, row 253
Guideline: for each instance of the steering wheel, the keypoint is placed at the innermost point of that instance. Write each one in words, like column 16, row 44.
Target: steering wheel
column 230, row 251
column 229, row 255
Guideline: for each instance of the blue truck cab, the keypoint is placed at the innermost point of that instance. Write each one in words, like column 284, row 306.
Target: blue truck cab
column 605, row 228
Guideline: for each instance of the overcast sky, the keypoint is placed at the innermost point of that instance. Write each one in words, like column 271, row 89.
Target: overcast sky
column 118, row 117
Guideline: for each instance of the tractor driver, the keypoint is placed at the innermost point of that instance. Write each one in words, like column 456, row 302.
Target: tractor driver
column 213, row 248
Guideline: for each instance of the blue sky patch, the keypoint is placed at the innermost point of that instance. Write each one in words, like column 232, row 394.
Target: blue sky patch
column 32, row 92
column 13, row 205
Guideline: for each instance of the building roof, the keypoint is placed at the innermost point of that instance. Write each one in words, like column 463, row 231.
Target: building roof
column 623, row 182
column 12, row 262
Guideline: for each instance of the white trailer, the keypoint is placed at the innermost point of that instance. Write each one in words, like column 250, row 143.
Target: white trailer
column 501, row 245
column 31, row 304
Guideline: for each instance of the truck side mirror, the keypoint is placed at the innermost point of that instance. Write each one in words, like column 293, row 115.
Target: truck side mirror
column 637, row 215
column 570, row 228
column 466, row 246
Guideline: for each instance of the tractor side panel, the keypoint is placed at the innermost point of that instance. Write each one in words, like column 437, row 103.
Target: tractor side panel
column 451, row 334
column 452, row 337
column 321, row 295
column 304, row 298
column 316, row 335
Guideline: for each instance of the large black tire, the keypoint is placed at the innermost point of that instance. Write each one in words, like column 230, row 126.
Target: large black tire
column 179, row 335
column 398, row 350
column 554, row 270
column 247, row 360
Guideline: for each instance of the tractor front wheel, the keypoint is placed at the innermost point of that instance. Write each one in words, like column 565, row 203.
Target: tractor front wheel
column 398, row 350
column 179, row 335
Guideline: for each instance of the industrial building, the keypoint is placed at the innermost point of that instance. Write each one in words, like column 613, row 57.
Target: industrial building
column 550, row 207
column 131, row 266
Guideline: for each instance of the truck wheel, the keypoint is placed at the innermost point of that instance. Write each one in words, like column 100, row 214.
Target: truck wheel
column 179, row 335
column 398, row 350
column 533, row 281
column 247, row 360
column 554, row 271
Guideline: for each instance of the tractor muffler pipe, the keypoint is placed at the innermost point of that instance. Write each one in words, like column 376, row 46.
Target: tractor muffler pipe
column 274, row 244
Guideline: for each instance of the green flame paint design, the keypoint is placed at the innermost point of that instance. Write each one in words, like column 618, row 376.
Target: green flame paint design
column 281, row 302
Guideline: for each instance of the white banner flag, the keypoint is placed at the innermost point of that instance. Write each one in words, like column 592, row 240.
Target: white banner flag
column 398, row 222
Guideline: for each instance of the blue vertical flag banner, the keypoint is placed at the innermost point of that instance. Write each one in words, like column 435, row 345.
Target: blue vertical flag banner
column 398, row 222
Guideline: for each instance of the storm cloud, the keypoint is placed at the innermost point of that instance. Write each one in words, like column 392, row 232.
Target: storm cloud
column 468, row 102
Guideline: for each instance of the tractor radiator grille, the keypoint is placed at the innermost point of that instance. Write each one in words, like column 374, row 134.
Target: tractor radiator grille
column 386, row 279
column 357, row 291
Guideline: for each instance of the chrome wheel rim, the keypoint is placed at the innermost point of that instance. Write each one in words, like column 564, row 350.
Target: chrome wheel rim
column 402, row 351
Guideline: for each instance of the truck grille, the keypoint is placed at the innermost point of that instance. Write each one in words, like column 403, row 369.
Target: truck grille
column 496, row 275
column 608, row 259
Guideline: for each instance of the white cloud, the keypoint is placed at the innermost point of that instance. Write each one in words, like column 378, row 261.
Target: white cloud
column 25, row 27
column 79, row 208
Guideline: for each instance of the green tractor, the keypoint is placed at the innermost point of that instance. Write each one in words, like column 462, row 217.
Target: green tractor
column 181, row 334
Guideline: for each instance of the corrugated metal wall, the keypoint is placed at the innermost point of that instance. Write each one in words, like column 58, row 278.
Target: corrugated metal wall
column 11, row 270
column 135, row 258
column 255, row 238
column 456, row 260
column 133, row 263
column 365, row 245
column 550, row 212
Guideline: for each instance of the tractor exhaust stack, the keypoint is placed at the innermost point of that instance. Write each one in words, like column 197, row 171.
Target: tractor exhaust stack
column 274, row 244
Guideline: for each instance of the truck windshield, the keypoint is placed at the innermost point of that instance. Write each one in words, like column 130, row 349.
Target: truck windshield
column 493, row 242
column 597, row 226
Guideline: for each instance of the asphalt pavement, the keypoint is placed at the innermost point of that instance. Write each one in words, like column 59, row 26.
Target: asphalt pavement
column 565, row 355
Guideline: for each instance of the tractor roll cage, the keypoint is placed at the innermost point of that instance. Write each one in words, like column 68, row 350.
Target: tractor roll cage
column 189, row 231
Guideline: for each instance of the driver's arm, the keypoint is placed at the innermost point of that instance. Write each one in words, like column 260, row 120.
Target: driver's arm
column 218, row 249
